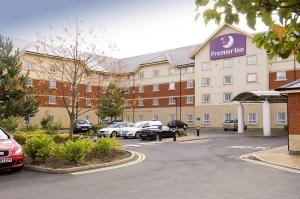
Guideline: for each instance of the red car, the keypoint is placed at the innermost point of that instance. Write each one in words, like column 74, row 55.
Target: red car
column 11, row 153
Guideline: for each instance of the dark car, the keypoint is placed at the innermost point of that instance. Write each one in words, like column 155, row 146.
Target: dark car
column 82, row 126
column 11, row 153
column 152, row 133
column 177, row 124
column 232, row 125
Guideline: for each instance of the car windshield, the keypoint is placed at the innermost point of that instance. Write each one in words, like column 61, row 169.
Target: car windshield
column 138, row 124
column 115, row 125
column 82, row 122
column 3, row 135
column 229, row 121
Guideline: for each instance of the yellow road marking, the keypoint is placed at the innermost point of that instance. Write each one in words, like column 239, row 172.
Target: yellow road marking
column 141, row 157
column 245, row 158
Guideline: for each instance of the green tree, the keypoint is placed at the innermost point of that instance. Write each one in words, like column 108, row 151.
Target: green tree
column 111, row 103
column 15, row 97
column 281, row 17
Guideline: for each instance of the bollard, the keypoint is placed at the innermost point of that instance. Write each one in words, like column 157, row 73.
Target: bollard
column 174, row 136
column 198, row 131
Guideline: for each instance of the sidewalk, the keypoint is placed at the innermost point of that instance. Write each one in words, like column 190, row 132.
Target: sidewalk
column 279, row 156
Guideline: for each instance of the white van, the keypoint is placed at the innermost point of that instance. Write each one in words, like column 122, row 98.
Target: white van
column 134, row 130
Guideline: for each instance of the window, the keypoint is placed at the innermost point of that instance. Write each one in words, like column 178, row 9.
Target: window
column 155, row 87
column 104, row 89
column 190, row 69
column 141, row 75
column 172, row 100
column 155, row 117
column 127, row 118
column 29, row 65
column 126, row 90
column 205, row 82
column 140, row 118
column 190, row 84
column 251, row 77
column 89, row 74
column 52, row 118
column 190, row 99
column 52, row 84
column 155, row 73
column 171, row 71
column 281, row 118
column 205, row 66
column 141, row 102
column 252, row 118
column 141, row 89
column 189, row 118
column 172, row 86
column 52, row 99
column 88, row 102
column 127, row 103
column 227, row 116
column 88, row 88
column 206, row 118
column 227, row 63
column 88, row 118
column 29, row 82
column 281, row 75
column 52, row 69
column 171, row 117
column 227, row 80
column 206, row 98
column 27, row 119
column 227, row 97
column 155, row 102
column 251, row 59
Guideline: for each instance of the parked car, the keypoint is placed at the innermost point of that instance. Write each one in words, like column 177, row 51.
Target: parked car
column 177, row 124
column 82, row 126
column 134, row 131
column 152, row 133
column 11, row 153
column 114, row 130
column 106, row 122
column 232, row 125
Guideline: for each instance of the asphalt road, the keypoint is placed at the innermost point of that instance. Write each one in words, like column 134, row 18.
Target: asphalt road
column 209, row 169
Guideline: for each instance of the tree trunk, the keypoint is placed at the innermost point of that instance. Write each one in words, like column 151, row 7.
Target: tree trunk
column 71, row 126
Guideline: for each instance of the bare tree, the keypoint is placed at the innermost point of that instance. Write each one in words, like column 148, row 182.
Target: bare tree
column 76, row 57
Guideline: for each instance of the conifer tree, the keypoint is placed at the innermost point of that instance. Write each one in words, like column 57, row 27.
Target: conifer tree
column 15, row 97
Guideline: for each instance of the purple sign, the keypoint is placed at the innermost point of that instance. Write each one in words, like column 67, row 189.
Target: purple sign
column 229, row 45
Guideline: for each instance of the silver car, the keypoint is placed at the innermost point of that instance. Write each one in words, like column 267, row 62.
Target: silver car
column 232, row 125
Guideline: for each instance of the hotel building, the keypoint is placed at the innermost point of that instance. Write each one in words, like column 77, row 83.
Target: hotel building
column 195, row 84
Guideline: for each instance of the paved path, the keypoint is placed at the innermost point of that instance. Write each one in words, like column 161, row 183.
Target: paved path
column 208, row 169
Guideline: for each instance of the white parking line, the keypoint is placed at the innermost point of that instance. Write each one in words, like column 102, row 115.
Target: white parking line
column 141, row 157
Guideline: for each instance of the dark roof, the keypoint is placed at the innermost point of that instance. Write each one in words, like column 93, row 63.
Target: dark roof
column 290, row 86
column 260, row 96
column 176, row 57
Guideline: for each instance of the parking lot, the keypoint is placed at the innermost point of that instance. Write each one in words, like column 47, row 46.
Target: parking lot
column 209, row 168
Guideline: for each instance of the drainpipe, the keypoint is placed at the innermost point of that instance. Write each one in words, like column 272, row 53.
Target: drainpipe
column 133, row 102
column 180, row 93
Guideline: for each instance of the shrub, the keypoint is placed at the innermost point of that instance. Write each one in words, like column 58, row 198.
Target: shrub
column 105, row 145
column 44, row 122
column 9, row 124
column 75, row 152
column 62, row 138
column 39, row 147
column 182, row 132
column 20, row 138
column 53, row 127
column 31, row 127
column 97, row 127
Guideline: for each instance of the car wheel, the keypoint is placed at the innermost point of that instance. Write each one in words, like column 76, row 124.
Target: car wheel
column 143, row 138
column 137, row 135
column 225, row 129
column 113, row 134
column 17, row 169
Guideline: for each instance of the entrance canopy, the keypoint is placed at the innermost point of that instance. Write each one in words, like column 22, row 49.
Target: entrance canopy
column 260, row 96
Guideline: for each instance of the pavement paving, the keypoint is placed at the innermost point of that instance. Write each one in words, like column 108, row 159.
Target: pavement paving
column 210, row 169
column 279, row 156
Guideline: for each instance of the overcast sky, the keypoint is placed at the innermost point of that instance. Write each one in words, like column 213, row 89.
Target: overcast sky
column 136, row 26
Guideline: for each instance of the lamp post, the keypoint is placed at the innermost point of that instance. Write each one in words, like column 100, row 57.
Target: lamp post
column 180, row 93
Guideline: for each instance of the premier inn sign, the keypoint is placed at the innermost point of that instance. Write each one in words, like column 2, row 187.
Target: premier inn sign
column 229, row 45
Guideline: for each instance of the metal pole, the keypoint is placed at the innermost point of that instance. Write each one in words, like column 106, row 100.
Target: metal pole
column 176, row 107
column 198, row 131
column 180, row 93
column 133, row 100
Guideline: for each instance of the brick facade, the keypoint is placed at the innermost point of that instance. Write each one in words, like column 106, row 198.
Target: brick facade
column 294, row 113
column 290, row 76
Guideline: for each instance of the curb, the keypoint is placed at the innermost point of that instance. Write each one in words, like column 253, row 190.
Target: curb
column 189, row 140
column 83, row 168
column 254, row 159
